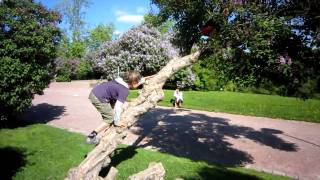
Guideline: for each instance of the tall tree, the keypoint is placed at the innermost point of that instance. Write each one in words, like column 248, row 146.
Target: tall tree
column 28, row 40
column 253, row 42
column 99, row 35
column 74, row 11
column 156, row 21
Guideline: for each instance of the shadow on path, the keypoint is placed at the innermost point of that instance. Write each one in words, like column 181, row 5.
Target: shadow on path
column 43, row 113
column 38, row 114
column 201, row 137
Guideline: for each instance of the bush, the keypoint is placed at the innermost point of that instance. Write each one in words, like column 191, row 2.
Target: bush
column 142, row 48
column 63, row 78
column 183, row 79
column 84, row 70
column 28, row 40
column 62, row 70
column 68, row 69
column 205, row 77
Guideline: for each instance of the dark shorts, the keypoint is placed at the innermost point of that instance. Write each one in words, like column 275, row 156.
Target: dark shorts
column 179, row 101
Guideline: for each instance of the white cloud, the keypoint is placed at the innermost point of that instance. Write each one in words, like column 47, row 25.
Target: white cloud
column 130, row 18
column 126, row 17
column 117, row 32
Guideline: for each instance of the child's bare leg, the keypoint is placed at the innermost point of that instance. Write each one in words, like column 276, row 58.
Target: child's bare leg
column 102, row 127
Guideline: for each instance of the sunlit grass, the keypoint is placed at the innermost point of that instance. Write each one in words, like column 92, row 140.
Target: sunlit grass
column 248, row 104
column 44, row 152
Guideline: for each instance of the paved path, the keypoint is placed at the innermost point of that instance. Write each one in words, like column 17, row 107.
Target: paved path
column 282, row 147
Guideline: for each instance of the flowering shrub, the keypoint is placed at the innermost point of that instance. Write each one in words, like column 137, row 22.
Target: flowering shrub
column 183, row 79
column 284, row 59
column 62, row 70
column 142, row 48
column 67, row 69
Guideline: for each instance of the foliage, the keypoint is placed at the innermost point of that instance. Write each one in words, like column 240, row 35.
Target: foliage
column 76, row 49
column 99, row 35
column 253, row 42
column 205, row 77
column 155, row 20
column 142, row 48
column 62, row 70
column 84, row 70
column 71, row 62
column 28, row 40
column 187, row 16
column 182, row 79
column 68, row 69
column 63, row 78
column 74, row 11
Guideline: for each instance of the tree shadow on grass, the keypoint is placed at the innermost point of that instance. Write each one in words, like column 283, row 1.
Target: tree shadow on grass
column 201, row 137
column 120, row 154
column 12, row 160
column 38, row 114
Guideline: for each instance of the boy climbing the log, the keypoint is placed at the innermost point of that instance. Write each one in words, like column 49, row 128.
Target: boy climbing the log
column 108, row 98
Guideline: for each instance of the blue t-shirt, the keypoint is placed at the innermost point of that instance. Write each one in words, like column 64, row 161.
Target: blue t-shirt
column 111, row 91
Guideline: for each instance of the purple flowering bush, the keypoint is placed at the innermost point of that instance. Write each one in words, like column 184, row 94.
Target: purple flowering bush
column 142, row 48
column 75, row 68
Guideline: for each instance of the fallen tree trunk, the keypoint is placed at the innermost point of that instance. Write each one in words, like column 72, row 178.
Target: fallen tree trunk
column 111, row 174
column 152, row 92
column 155, row 171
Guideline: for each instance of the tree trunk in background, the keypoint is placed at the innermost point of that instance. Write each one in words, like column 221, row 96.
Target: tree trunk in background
column 152, row 92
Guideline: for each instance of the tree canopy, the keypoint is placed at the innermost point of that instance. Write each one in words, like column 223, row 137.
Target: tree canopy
column 28, row 40
column 260, row 43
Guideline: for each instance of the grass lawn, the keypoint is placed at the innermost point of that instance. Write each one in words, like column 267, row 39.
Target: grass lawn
column 248, row 104
column 40, row 152
column 44, row 152
column 135, row 160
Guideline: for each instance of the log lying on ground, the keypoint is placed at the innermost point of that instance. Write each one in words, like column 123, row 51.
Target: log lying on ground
column 155, row 172
column 152, row 92
column 112, row 174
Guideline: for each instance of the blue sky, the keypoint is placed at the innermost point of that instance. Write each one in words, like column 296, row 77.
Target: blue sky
column 122, row 13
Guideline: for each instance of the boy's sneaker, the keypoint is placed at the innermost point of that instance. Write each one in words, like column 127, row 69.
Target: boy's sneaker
column 92, row 138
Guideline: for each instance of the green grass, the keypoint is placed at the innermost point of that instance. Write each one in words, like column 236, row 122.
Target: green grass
column 248, row 104
column 135, row 160
column 40, row 152
column 44, row 152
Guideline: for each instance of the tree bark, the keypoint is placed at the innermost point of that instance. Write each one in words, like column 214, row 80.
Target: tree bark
column 112, row 174
column 155, row 171
column 152, row 92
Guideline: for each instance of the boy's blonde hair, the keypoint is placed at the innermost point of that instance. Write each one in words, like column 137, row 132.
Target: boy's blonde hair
column 132, row 77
